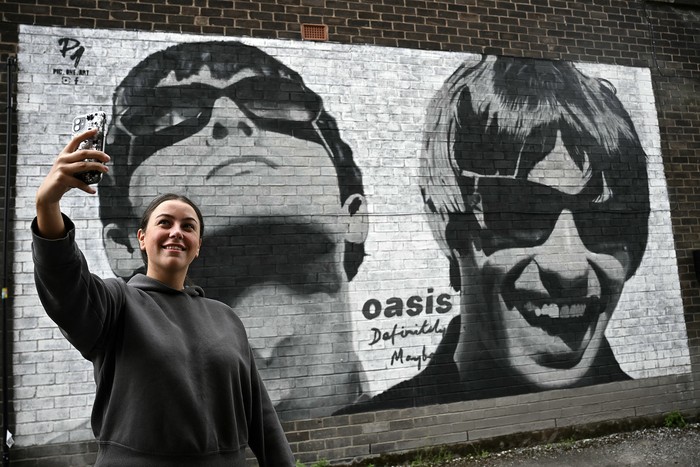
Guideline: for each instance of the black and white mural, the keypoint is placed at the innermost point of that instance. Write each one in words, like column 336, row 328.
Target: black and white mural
column 394, row 229
column 536, row 189
column 281, row 196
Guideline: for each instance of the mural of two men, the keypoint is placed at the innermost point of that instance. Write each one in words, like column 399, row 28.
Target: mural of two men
column 535, row 188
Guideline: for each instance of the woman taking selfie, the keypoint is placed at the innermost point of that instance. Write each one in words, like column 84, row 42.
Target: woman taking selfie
column 175, row 375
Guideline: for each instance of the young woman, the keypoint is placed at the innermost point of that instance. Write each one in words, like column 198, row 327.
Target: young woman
column 176, row 380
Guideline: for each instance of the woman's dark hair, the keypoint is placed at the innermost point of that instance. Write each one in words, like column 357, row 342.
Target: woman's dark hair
column 146, row 217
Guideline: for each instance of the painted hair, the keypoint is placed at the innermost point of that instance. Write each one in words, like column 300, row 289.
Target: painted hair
column 501, row 117
column 224, row 59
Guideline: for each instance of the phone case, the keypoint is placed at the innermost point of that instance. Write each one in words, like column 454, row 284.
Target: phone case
column 84, row 123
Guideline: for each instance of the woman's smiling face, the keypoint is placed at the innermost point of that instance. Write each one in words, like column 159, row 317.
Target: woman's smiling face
column 171, row 241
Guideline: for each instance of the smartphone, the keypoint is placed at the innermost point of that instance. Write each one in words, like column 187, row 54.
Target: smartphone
column 83, row 123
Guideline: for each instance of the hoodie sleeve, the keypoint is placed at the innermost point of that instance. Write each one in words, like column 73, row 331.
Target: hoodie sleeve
column 266, row 437
column 82, row 305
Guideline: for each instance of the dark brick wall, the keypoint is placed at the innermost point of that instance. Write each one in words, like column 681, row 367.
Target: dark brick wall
column 661, row 35
column 613, row 32
column 675, row 66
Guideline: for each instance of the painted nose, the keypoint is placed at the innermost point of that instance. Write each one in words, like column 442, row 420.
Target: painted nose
column 562, row 261
column 228, row 119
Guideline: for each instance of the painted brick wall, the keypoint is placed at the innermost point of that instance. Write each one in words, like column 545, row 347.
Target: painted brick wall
column 53, row 385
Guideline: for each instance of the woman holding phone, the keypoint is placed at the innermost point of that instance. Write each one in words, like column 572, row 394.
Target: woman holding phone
column 175, row 375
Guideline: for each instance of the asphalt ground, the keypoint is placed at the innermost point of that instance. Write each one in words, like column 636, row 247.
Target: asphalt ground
column 647, row 447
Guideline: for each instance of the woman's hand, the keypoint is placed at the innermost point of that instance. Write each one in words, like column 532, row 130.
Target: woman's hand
column 69, row 162
column 61, row 179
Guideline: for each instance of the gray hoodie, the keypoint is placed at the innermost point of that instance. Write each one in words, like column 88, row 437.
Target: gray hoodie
column 176, row 380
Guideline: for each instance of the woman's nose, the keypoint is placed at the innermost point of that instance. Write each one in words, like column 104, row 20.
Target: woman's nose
column 563, row 262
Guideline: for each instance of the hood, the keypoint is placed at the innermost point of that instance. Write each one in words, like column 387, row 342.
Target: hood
column 147, row 284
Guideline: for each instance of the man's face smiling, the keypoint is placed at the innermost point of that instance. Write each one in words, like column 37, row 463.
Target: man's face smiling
column 275, row 231
column 541, row 310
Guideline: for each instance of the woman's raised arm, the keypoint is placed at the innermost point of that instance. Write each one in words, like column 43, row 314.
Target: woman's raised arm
column 60, row 179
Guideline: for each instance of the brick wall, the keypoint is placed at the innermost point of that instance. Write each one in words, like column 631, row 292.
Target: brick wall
column 654, row 35
column 614, row 33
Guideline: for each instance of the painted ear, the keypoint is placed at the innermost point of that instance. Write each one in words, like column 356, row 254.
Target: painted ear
column 123, row 251
column 356, row 208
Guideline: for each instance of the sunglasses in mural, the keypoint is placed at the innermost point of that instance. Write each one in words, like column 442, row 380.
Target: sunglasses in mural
column 274, row 104
column 518, row 213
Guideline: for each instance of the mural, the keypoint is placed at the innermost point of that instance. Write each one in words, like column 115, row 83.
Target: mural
column 536, row 190
column 394, row 230
column 249, row 137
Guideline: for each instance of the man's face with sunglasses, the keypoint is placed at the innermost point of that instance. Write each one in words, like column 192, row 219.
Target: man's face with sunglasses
column 248, row 152
column 546, row 270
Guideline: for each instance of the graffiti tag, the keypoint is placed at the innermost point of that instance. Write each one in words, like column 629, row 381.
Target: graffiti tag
column 70, row 76
column 68, row 45
column 71, row 49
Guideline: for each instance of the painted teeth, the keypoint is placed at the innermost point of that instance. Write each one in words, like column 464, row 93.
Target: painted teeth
column 555, row 311
column 573, row 311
